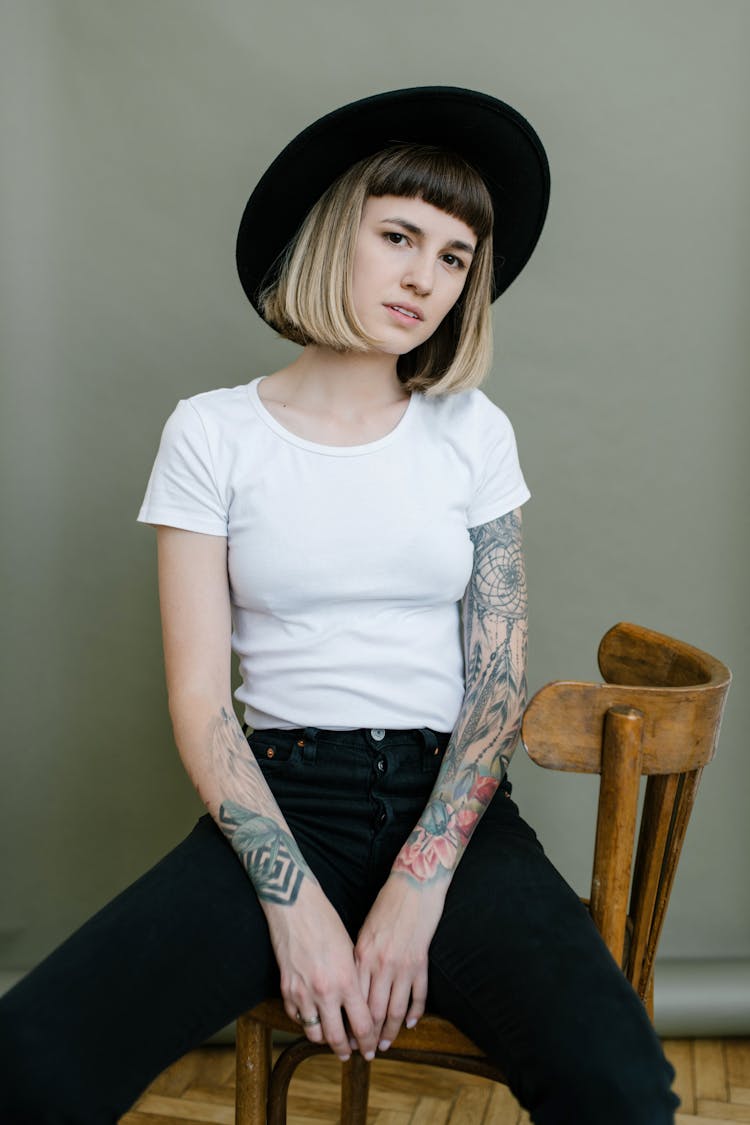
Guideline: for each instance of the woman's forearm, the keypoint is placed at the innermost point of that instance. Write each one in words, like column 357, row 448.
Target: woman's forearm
column 485, row 735
column 224, row 771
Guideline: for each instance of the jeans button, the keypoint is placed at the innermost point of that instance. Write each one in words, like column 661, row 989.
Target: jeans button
column 382, row 765
column 378, row 734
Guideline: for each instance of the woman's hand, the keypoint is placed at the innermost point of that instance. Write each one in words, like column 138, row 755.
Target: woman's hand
column 319, row 975
column 391, row 953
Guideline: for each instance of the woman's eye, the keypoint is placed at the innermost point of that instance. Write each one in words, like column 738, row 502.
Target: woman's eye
column 456, row 263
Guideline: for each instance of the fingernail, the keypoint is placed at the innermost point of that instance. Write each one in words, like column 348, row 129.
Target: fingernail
column 345, row 1058
column 411, row 1023
column 369, row 1055
column 384, row 1044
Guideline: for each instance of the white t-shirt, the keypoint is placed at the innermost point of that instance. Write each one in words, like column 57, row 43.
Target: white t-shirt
column 346, row 563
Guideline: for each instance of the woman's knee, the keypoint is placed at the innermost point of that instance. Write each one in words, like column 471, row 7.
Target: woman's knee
column 570, row 1033
column 620, row 1091
column 595, row 1058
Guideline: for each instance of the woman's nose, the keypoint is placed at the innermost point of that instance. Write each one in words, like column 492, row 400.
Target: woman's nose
column 418, row 276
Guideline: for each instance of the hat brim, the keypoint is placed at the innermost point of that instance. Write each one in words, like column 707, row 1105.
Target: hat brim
column 491, row 135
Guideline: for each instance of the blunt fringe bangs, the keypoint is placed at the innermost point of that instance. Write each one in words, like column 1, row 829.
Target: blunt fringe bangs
column 307, row 295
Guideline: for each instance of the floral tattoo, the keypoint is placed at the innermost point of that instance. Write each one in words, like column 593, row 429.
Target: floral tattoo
column 494, row 612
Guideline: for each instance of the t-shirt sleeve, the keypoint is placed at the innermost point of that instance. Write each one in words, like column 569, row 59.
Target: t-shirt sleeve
column 500, row 486
column 183, row 490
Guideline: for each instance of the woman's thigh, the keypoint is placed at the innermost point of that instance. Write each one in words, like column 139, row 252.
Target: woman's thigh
column 184, row 949
column 518, row 965
column 168, row 962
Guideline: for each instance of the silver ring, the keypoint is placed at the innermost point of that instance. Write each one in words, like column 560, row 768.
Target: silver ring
column 308, row 1023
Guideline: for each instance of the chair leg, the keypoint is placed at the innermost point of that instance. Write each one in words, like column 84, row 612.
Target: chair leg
column 283, row 1072
column 253, row 1054
column 355, row 1087
column 648, row 999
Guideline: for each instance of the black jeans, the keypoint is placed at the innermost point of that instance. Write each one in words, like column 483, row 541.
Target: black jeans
column 515, row 962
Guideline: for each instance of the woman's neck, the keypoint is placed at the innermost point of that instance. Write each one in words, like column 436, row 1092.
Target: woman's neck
column 343, row 383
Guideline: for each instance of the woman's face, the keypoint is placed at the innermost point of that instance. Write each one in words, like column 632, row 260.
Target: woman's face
column 413, row 255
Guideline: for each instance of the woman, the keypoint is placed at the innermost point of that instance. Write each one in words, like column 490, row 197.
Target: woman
column 351, row 525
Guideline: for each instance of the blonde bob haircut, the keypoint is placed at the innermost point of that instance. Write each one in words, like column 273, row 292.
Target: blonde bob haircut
column 307, row 295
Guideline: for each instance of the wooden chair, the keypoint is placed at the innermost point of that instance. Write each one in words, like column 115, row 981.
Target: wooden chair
column 658, row 713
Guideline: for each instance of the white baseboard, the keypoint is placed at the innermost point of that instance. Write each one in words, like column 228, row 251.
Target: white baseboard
column 702, row 998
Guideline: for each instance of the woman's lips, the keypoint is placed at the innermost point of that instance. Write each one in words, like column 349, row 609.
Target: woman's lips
column 403, row 317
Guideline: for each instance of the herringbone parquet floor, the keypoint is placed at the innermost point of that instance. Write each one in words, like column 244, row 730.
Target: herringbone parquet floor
column 713, row 1080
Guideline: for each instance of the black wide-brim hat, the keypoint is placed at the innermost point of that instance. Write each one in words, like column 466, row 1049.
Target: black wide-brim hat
column 490, row 135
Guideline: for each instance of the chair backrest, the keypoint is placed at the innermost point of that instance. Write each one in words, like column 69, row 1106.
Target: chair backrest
column 658, row 713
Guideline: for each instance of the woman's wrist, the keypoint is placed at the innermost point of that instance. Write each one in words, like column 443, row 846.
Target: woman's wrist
column 432, row 890
column 309, row 899
column 433, row 849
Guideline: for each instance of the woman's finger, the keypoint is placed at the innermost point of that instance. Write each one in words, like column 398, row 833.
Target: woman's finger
column 304, row 1012
column 418, row 999
column 378, row 1001
column 334, row 1032
column 360, row 1023
column 365, row 978
column 399, row 1002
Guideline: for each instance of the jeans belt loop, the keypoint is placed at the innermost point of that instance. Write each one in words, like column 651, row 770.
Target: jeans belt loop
column 430, row 747
column 310, row 749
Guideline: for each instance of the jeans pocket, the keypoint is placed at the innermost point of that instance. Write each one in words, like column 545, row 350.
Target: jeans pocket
column 275, row 747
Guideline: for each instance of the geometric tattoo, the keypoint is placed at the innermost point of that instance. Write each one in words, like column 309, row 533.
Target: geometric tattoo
column 251, row 819
column 270, row 856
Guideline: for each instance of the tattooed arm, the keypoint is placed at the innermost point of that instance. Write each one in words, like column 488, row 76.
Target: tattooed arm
column 251, row 819
column 193, row 593
column 314, row 952
column 485, row 736
column 393, row 944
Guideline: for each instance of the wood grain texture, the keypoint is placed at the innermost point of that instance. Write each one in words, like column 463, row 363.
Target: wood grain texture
column 430, row 1111
column 710, row 1071
column 253, row 1068
column 404, row 1094
column 615, row 825
column 631, row 654
column 681, row 689
column 653, row 841
column 679, row 735
column 680, row 1054
column 680, row 692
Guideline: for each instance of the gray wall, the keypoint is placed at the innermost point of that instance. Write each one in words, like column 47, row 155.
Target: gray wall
column 132, row 135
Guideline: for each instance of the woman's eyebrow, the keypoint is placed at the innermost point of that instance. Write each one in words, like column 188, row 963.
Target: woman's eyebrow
column 456, row 244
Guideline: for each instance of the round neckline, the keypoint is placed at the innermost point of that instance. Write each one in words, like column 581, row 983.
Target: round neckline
column 318, row 447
